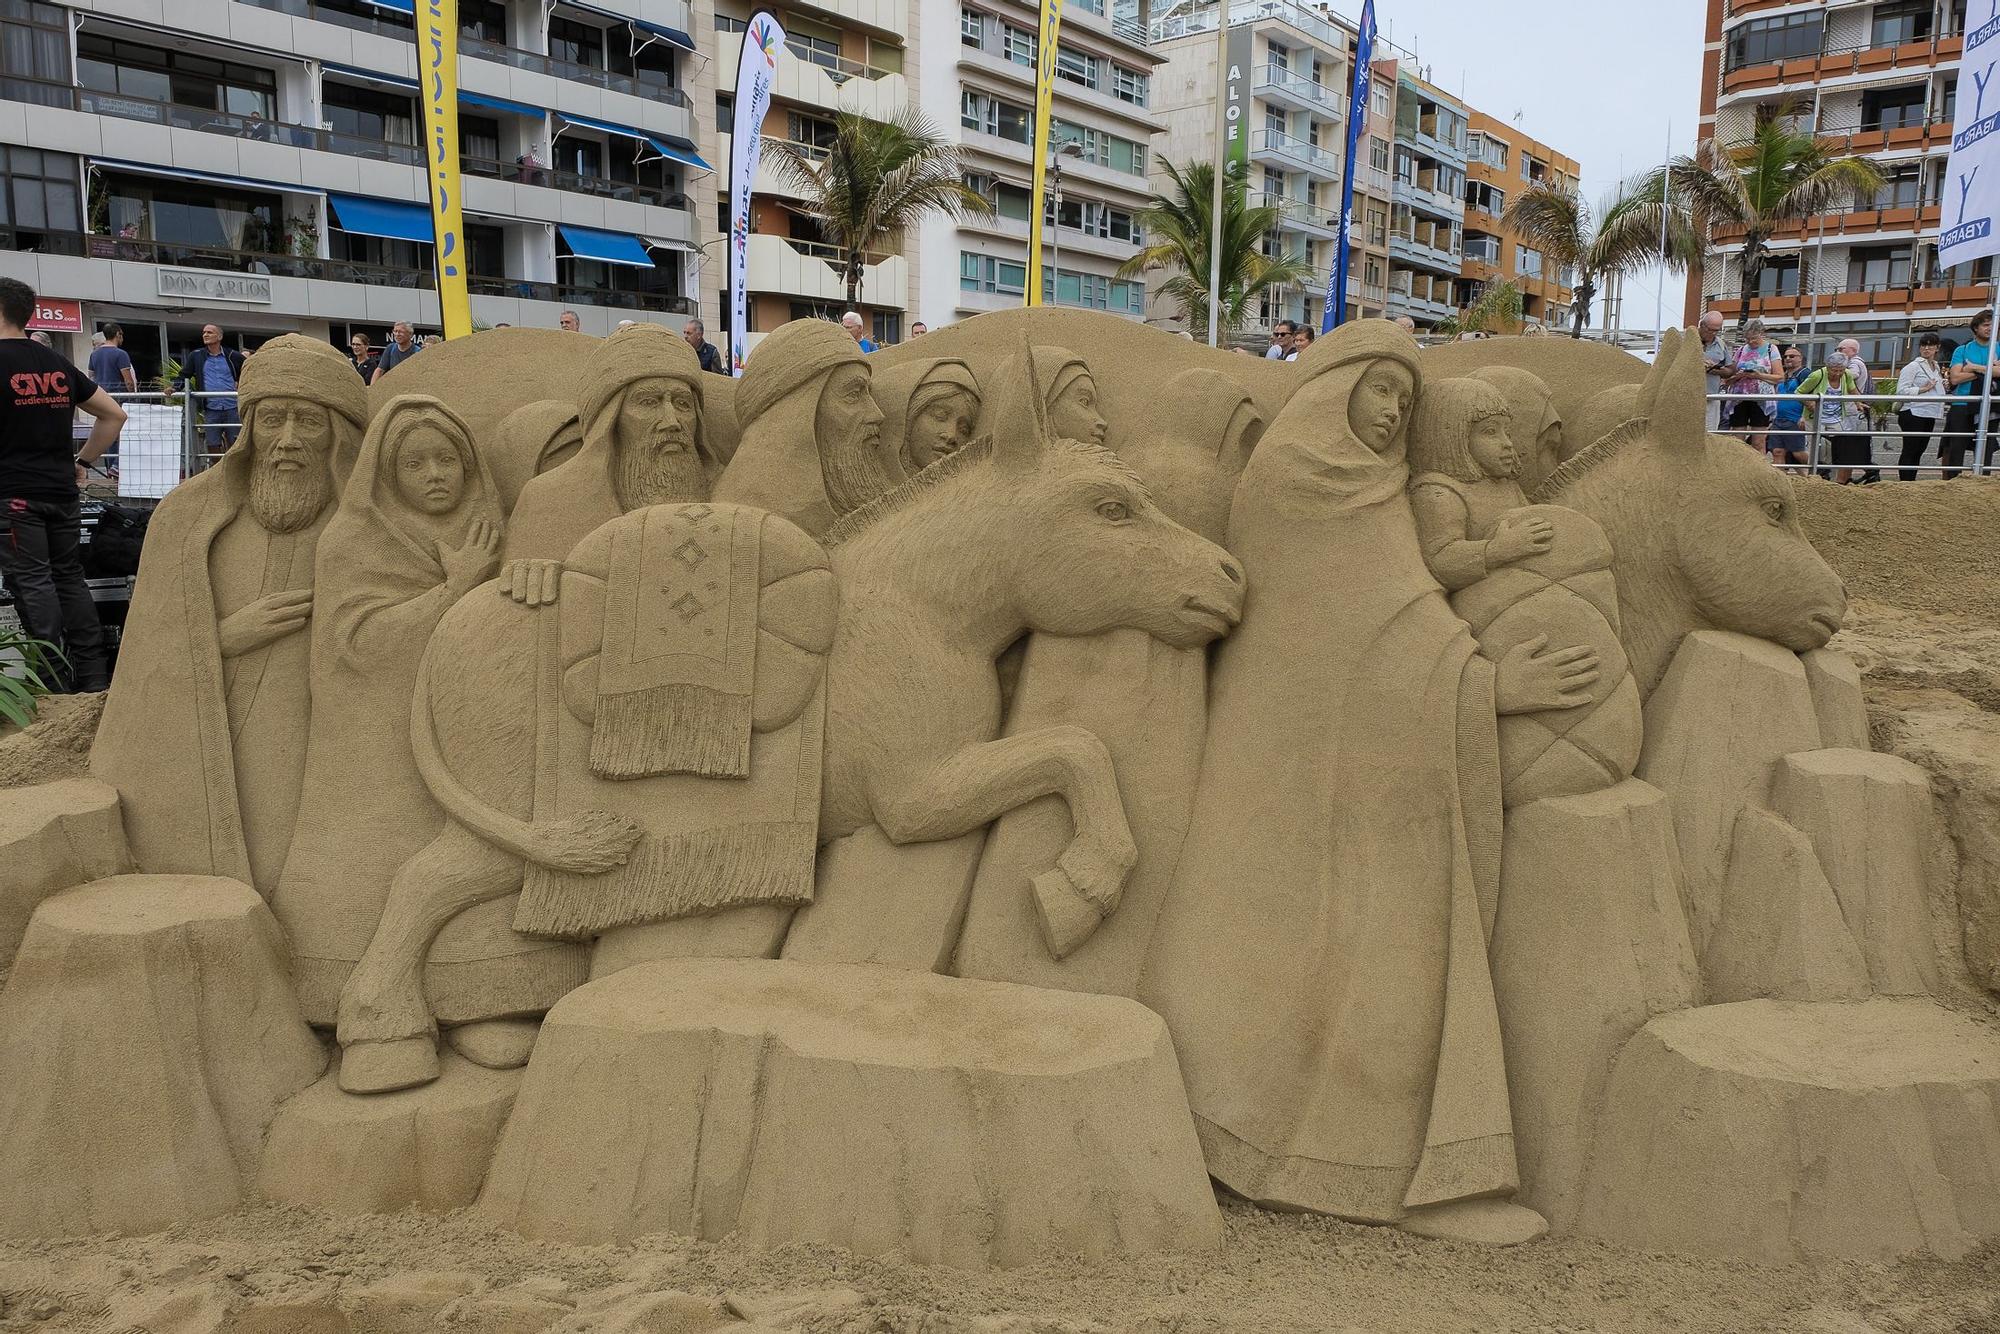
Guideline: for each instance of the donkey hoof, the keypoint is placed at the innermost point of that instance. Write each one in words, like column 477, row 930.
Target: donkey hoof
column 384, row 1067
column 1067, row 917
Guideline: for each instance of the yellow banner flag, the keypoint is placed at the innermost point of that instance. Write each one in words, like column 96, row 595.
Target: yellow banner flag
column 1045, row 97
column 437, row 70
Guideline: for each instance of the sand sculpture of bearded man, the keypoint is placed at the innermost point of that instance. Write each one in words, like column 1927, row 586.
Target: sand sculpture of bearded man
column 202, row 735
column 644, row 444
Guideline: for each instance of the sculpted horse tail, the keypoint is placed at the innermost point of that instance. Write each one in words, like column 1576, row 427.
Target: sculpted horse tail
column 588, row 843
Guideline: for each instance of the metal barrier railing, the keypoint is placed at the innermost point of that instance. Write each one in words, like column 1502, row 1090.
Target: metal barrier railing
column 1824, row 417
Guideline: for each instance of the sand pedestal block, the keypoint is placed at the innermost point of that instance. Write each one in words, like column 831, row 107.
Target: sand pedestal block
column 1781, row 936
column 880, row 1109
column 148, row 1033
column 1727, row 708
column 1838, row 703
column 1868, row 817
column 423, row 1148
column 1777, row 1130
column 54, row 836
column 877, row 902
column 1590, row 942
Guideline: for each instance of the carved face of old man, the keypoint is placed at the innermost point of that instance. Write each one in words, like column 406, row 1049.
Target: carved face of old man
column 654, row 436
column 290, row 441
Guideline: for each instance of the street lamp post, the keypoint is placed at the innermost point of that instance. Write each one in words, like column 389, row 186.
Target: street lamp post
column 1067, row 148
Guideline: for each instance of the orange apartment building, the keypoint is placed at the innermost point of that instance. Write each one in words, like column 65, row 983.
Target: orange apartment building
column 1879, row 80
column 1499, row 162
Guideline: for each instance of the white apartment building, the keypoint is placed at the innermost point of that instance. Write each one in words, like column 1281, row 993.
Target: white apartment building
column 1301, row 62
column 844, row 55
column 1104, row 123
column 256, row 163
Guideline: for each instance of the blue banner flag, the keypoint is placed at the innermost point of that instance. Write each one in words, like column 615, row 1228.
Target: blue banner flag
column 1357, row 116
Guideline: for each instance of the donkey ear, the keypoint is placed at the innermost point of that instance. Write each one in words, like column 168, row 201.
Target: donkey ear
column 1678, row 415
column 1021, row 423
column 1649, row 389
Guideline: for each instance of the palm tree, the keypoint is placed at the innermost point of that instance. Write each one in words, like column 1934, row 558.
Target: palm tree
column 1498, row 308
column 878, row 177
column 1781, row 173
column 1622, row 237
column 1180, row 232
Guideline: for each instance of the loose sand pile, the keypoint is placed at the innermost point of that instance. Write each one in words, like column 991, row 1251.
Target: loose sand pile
column 55, row 746
column 1919, row 563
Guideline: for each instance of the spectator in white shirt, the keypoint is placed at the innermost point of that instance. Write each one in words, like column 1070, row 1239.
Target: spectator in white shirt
column 1920, row 394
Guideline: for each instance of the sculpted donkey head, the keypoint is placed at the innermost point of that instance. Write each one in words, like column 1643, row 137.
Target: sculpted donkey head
column 1704, row 533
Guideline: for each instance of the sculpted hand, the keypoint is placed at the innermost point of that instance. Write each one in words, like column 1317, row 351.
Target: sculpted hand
column 469, row 565
column 1528, row 680
column 1519, row 536
column 532, row 583
column 264, row 621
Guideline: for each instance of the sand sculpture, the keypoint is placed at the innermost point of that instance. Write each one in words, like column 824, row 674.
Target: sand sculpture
column 1446, row 791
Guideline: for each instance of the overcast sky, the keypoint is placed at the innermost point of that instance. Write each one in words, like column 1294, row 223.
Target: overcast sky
column 1601, row 83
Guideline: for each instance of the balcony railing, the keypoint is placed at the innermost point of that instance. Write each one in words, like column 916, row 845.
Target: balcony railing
column 1298, row 85
column 263, row 264
column 1272, row 141
column 388, row 23
column 838, row 67
column 209, row 121
column 522, row 173
column 1283, row 11
column 1300, row 212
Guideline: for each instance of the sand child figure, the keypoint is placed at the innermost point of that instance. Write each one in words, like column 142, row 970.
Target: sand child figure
column 1465, row 483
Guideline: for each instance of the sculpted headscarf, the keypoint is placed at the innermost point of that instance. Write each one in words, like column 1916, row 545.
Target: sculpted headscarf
column 1207, row 426
column 165, row 739
column 903, row 391
column 379, row 592
column 533, row 439
column 780, row 464
column 1056, row 369
column 1339, row 468
column 561, row 507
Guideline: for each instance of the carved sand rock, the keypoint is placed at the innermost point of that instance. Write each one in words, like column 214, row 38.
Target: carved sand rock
column 1835, row 683
column 54, row 836
column 959, row 1122
column 1774, row 1131
column 147, row 1035
column 1781, row 934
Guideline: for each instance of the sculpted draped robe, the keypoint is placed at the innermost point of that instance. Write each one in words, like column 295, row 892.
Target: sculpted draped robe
column 1321, row 958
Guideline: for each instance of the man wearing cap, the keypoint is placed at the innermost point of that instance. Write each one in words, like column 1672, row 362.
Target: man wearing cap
column 643, row 444
column 810, row 447
column 203, row 732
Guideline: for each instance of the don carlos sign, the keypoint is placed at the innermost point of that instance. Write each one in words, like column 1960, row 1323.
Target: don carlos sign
column 210, row 285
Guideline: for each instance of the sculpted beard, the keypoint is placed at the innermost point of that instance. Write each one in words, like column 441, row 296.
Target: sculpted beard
column 285, row 500
column 646, row 476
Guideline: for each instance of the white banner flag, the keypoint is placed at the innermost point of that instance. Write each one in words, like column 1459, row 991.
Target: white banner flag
column 763, row 44
column 1972, row 177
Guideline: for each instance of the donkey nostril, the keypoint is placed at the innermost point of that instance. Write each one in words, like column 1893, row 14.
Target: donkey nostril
column 1233, row 570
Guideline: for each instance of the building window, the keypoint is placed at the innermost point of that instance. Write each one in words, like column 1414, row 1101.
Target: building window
column 479, row 137
column 128, row 69
column 1481, row 247
column 987, row 273
column 1907, row 21
column 1378, row 153
column 1076, row 66
column 1378, row 227
column 1779, row 277
column 38, row 192
column 1892, row 108
column 811, row 130
column 365, row 113
column 971, row 27
column 888, row 328
column 1018, row 45
column 1901, row 188
column 1485, row 198
column 576, row 43
column 1378, row 99
column 34, row 53
column 1761, row 41
column 990, row 115
column 1129, row 85
column 217, row 217
column 1878, row 268
column 1527, row 262
column 483, row 21
column 819, row 45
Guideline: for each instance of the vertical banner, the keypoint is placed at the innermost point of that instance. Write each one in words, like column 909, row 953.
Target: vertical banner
column 1235, row 98
column 1972, row 176
column 1045, row 97
column 756, row 67
column 1357, row 118
column 437, row 64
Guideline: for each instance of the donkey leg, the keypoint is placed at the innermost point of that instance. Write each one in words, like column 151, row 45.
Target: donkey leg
column 981, row 782
column 388, row 1039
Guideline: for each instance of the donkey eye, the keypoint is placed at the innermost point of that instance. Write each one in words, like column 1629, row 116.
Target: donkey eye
column 1776, row 510
column 1114, row 511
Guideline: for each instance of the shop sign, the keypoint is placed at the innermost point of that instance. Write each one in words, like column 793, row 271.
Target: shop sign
column 211, row 285
column 57, row 315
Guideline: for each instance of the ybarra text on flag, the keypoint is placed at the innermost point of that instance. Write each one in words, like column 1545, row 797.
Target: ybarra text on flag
column 763, row 47
column 1972, row 176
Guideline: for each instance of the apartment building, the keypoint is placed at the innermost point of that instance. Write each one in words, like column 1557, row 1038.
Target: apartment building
column 1500, row 161
column 857, row 56
column 256, row 163
column 980, row 59
column 1300, row 60
column 1427, row 196
column 1874, row 80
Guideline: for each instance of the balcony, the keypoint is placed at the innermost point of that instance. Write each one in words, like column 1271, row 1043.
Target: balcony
column 264, row 264
column 1848, row 224
column 820, row 79
column 1275, row 83
column 1846, row 61
column 1411, row 192
column 1418, row 307
column 815, row 270
column 1299, row 215
column 603, row 187
column 1297, row 154
column 1412, row 247
column 1246, row 12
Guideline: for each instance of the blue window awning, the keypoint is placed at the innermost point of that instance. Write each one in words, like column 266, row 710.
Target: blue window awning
column 660, row 30
column 400, row 6
column 492, row 103
column 206, row 177
column 667, row 146
column 372, row 76
column 605, row 247
column 390, row 218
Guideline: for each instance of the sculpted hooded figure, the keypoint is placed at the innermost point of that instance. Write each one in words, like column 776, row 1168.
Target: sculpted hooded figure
column 812, row 432
column 201, row 734
column 1321, row 960
column 418, row 528
column 643, row 444
column 930, row 408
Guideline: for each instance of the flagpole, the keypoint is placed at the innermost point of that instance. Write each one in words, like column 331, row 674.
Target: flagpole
column 1666, row 197
column 1223, row 157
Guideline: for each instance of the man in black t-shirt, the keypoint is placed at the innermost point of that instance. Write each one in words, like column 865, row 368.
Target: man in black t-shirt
column 40, row 508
